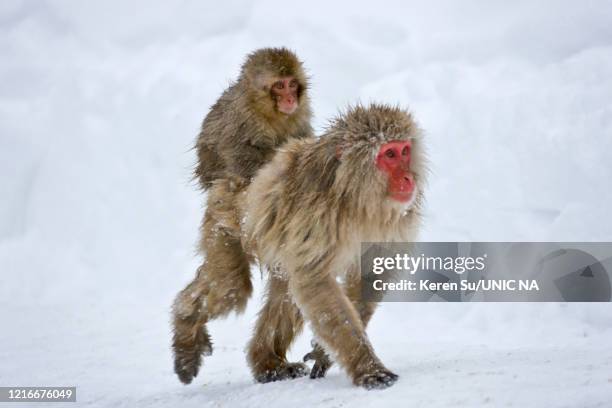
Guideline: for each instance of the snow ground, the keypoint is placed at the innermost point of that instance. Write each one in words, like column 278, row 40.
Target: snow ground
column 100, row 103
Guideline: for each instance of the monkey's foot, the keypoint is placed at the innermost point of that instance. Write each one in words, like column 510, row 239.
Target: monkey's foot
column 188, row 355
column 284, row 371
column 379, row 379
column 322, row 362
column 187, row 367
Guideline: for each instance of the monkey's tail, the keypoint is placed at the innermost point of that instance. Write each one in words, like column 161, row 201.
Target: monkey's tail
column 191, row 339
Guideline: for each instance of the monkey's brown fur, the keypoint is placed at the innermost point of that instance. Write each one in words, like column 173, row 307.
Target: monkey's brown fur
column 304, row 217
column 244, row 127
column 239, row 135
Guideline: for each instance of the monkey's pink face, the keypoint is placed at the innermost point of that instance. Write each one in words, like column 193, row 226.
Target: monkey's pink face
column 285, row 93
column 393, row 159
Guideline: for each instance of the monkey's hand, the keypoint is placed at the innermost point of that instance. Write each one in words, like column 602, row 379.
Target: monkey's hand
column 322, row 362
column 283, row 371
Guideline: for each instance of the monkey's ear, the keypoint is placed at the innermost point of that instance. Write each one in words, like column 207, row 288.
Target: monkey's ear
column 339, row 151
column 262, row 81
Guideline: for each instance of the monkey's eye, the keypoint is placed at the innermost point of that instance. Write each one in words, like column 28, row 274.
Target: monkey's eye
column 293, row 83
column 405, row 151
column 390, row 153
column 278, row 85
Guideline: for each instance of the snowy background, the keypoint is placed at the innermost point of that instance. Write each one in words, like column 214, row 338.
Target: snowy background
column 100, row 103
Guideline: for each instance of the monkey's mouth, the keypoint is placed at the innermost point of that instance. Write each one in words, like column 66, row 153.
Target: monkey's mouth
column 402, row 197
column 407, row 200
column 287, row 109
column 404, row 190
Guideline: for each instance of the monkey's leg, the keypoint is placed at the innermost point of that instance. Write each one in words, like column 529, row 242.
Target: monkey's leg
column 336, row 322
column 191, row 339
column 279, row 322
column 223, row 284
column 322, row 361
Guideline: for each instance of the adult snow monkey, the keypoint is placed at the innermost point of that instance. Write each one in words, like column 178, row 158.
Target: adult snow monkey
column 304, row 217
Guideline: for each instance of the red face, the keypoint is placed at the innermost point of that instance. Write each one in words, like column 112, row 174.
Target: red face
column 394, row 159
column 285, row 93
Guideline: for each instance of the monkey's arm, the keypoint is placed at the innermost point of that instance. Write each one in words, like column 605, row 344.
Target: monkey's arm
column 322, row 361
column 337, row 323
column 304, row 132
column 245, row 159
